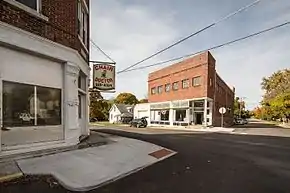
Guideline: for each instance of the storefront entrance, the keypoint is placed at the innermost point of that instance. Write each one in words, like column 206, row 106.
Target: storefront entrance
column 198, row 118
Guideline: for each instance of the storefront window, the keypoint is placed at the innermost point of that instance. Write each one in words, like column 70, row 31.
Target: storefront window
column 18, row 105
column 180, row 115
column 165, row 115
column 48, row 106
column 27, row 105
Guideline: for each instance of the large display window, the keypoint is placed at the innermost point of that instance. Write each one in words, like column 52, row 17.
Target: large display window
column 29, row 105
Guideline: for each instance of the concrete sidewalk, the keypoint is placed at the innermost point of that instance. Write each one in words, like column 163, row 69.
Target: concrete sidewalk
column 166, row 130
column 86, row 169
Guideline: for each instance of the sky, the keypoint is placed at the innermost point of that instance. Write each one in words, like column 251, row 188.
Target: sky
column 130, row 30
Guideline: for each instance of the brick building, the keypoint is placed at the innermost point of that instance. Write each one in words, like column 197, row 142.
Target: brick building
column 188, row 93
column 44, row 73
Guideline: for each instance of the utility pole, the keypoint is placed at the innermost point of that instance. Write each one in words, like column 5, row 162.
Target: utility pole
column 241, row 102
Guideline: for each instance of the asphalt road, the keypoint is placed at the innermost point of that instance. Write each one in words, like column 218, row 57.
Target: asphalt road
column 205, row 163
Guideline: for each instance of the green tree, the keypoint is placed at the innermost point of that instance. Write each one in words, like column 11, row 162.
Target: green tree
column 281, row 105
column 239, row 107
column 126, row 98
column 99, row 108
column 275, row 103
column 276, row 84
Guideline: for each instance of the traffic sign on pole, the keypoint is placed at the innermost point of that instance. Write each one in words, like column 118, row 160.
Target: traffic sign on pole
column 222, row 111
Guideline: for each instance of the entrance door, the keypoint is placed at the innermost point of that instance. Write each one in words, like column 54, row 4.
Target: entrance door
column 198, row 118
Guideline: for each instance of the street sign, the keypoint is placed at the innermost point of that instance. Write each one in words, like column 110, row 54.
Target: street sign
column 222, row 110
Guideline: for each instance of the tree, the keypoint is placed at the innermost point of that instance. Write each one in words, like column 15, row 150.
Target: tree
column 276, row 84
column 281, row 105
column 126, row 98
column 239, row 107
column 275, row 103
column 99, row 108
column 143, row 101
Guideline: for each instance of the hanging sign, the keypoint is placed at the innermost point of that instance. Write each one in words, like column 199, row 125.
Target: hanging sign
column 104, row 77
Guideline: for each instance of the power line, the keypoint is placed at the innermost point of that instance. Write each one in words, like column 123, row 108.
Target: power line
column 193, row 34
column 212, row 48
column 94, row 44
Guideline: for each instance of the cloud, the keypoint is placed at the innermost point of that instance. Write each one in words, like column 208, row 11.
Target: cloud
column 129, row 33
column 132, row 31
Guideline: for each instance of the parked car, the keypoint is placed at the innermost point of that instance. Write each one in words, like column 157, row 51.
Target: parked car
column 245, row 121
column 139, row 122
column 240, row 121
column 93, row 119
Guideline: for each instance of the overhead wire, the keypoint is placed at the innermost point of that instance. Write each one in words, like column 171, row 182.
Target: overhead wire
column 102, row 51
column 193, row 34
column 212, row 48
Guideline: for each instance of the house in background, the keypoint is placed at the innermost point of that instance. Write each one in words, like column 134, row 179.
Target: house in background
column 121, row 113
column 44, row 74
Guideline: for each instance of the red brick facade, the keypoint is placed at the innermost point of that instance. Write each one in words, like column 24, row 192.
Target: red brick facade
column 211, row 85
column 61, row 26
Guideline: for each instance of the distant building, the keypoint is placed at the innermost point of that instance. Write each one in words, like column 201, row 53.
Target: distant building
column 44, row 73
column 187, row 93
column 121, row 113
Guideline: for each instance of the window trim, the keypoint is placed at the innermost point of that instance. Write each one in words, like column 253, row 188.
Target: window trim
column 82, row 16
column 153, row 93
column 31, row 11
column 196, row 85
column 169, row 86
column 182, row 86
column 173, row 86
column 160, row 89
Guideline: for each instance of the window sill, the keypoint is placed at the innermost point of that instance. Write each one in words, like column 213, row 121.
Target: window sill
column 27, row 9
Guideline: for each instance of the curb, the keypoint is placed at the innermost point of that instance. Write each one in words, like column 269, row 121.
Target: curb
column 10, row 177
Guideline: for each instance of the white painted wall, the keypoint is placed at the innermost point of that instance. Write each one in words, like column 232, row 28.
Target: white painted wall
column 30, row 65
column 114, row 115
column 142, row 110
column 24, row 68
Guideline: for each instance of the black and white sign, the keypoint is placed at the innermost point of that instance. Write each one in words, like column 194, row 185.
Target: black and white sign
column 222, row 110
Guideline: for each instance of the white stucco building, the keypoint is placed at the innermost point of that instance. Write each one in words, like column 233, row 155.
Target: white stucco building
column 44, row 76
column 120, row 112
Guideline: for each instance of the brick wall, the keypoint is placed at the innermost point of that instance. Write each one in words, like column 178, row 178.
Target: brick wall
column 187, row 69
column 61, row 26
column 212, row 85
column 224, row 97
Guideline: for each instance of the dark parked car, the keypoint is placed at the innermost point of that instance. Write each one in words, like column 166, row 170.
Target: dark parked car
column 93, row 119
column 139, row 122
column 239, row 121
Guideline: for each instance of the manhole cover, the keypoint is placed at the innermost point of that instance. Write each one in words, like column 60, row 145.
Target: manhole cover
column 160, row 153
